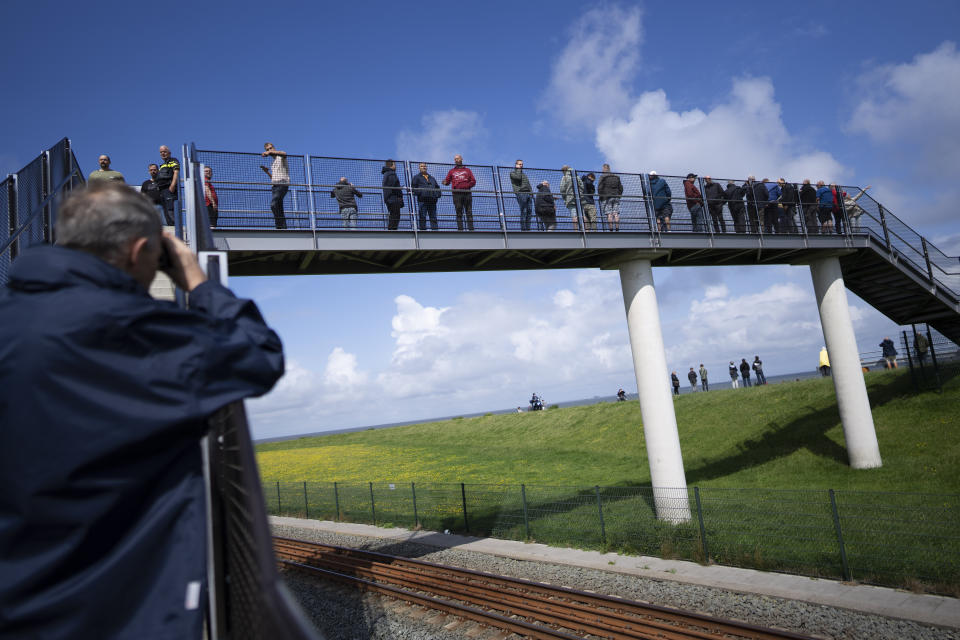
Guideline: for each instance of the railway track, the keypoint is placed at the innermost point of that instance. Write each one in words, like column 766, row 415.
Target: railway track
column 529, row 609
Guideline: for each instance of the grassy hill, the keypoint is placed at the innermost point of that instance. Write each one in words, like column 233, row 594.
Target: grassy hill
column 783, row 436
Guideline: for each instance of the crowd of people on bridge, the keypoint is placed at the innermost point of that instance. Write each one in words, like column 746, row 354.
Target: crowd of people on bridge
column 591, row 204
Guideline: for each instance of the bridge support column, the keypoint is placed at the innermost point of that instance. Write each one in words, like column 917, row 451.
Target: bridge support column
column 656, row 403
column 855, row 415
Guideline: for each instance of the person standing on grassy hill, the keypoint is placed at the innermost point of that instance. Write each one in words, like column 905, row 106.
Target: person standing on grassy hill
column 106, row 393
column 704, row 385
column 745, row 372
column 889, row 353
column 758, row 370
column 824, row 363
column 692, row 377
column 734, row 382
column 676, row 383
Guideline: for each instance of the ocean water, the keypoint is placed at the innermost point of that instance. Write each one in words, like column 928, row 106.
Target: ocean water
column 716, row 383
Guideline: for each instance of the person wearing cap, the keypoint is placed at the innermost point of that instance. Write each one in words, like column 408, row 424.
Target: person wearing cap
column 714, row 193
column 694, row 203
column 660, row 195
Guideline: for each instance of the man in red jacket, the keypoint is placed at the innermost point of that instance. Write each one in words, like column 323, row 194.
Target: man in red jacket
column 461, row 179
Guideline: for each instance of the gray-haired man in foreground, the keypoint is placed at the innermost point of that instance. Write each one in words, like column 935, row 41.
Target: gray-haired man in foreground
column 104, row 396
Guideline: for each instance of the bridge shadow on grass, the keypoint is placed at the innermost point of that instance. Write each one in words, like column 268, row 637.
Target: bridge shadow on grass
column 806, row 432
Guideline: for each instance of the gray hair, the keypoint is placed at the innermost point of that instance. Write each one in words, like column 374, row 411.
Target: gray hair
column 104, row 218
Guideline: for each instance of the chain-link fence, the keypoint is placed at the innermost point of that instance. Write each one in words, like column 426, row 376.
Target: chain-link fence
column 895, row 539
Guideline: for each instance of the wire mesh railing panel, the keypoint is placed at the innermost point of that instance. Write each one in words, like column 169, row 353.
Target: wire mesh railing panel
column 906, row 243
column 249, row 207
column 5, row 212
column 29, row 197
column 864, row 215
column 946, row 269
column 367, row 177
column 456, row 210
column 249, row 599
column 519, row 209
column 789, row 531
column 236, row 167
column 59, row 161
column 894, row 538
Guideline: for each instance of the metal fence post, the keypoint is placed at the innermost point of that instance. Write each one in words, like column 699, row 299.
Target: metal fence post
column 926, row 257
column 373, row 508
column 12, row 217
column 278, row 497
column 310, row 202
column 886, row 232
column 413, row 491
column 46, row 186
column 336, row 499
column 463, row 496
column 933, row 359
column 836, row 526
column 498, row 197
column 913, row 375
column 603, row 527
column 306, row 507
column 526, row 519
column 703, row 530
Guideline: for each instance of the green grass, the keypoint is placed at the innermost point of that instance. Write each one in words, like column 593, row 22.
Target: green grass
column 779, row 436
column 762, row 460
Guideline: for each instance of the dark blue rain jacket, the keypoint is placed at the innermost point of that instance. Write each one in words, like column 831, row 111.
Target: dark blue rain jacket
column 103, row 395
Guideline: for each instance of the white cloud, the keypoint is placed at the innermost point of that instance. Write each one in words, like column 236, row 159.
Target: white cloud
column 590, row 78
column 909, row 110
column 341, row 371
column 745, row 134
column 443, row 134
column 914, row 105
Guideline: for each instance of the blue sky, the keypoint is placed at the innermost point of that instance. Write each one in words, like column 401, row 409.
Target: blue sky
column 861, row 92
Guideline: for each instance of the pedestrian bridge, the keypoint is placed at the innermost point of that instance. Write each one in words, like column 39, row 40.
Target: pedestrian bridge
column 877, row 256
column 883, row 260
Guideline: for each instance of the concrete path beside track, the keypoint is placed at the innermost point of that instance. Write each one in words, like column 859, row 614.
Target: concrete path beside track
column 928, row 609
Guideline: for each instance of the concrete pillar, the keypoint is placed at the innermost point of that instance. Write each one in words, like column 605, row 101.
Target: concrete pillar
column 656, row 402
column 855, row 415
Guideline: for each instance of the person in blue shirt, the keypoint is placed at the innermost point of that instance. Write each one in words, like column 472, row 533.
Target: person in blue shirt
column 825, row 207
column 772, row 210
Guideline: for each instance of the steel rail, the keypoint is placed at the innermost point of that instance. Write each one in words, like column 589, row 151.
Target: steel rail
column 578, row 611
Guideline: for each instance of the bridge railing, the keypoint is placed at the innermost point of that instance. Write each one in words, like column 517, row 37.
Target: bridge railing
column 245, row 194
column 30, row 198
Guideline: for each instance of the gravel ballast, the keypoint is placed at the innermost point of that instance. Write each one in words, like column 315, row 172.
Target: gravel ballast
column 342, row 613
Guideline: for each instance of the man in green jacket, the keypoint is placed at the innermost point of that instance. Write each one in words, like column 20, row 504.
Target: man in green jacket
column 524, row 193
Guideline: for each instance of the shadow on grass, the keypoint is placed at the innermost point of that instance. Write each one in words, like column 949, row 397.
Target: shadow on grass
column 806, row 432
